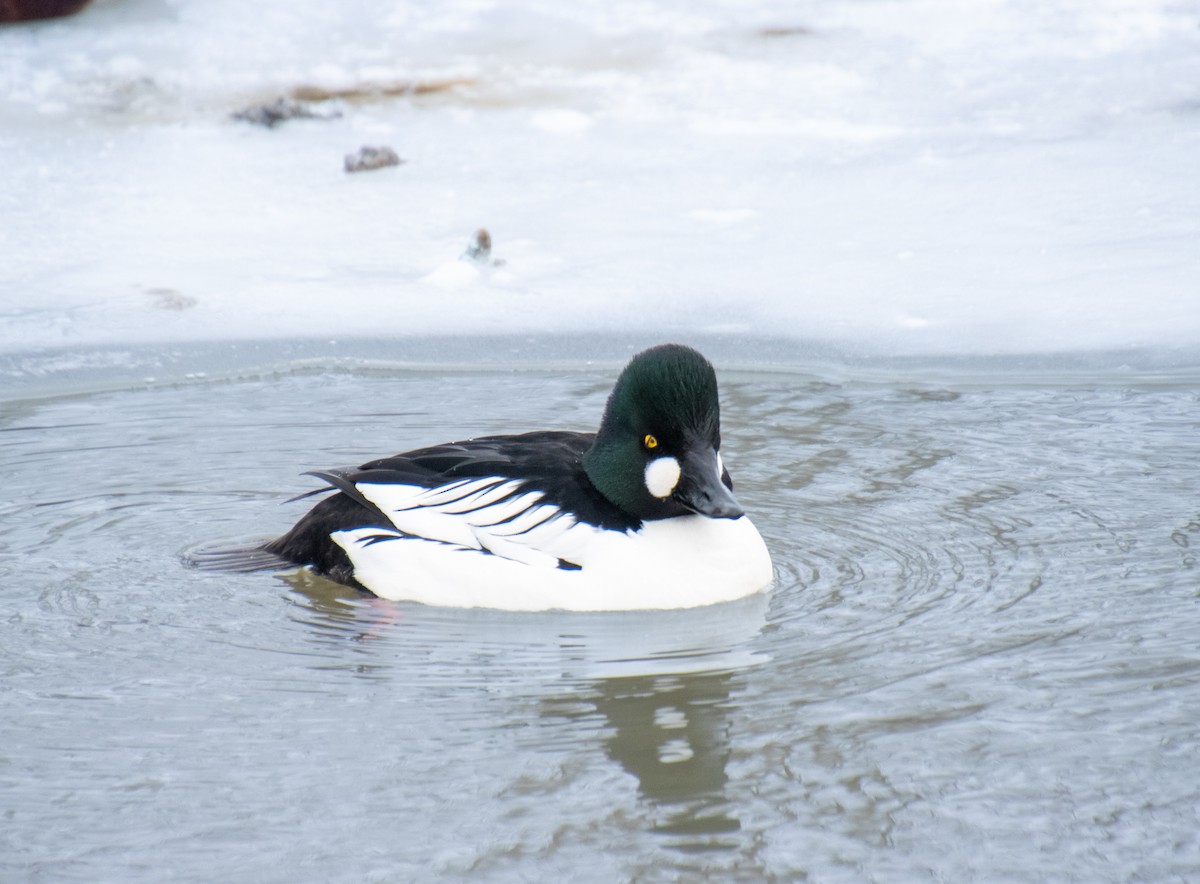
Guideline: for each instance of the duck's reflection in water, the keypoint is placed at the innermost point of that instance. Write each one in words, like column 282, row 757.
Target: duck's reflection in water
column 661, row 685
column 673, row 734
column 666, row 688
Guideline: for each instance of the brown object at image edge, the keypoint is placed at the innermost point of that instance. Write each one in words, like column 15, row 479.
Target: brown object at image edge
column 32, row 10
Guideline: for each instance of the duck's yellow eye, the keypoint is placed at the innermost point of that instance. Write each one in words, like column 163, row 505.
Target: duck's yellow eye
column 650, row 441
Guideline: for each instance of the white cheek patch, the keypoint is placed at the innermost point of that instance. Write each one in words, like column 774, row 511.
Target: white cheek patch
column 662, row 475
column 720, row 466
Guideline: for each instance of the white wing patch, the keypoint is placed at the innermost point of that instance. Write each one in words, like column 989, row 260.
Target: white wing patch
column 490, row 514
column 488, row 543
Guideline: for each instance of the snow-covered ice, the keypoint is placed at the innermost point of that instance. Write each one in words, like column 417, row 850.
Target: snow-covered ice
column 892, row 178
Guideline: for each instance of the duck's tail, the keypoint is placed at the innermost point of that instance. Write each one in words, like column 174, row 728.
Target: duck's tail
column 239, row 558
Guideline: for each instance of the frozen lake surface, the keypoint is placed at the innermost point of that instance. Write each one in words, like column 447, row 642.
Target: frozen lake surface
column 874, row 177
column 945, row 257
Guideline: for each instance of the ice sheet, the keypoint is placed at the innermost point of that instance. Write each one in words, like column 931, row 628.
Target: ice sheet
column 873, row 179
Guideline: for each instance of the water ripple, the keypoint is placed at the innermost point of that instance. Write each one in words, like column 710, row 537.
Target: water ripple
column 984, row 612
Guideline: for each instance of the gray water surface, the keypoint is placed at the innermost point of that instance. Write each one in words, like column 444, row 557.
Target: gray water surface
column 979, row 660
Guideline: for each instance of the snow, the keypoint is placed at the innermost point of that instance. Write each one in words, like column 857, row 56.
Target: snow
column 893, row 178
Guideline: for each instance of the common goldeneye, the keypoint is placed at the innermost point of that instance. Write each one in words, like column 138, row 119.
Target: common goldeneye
column 638, row 515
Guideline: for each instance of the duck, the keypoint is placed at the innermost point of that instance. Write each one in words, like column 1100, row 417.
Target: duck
column 638, row 515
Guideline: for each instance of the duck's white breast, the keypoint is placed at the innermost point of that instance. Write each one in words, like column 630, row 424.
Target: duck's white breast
column 672, row 563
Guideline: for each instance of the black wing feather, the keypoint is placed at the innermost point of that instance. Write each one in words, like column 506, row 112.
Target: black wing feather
column 548, row 461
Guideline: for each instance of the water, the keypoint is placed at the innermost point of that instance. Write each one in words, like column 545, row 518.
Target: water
column 978, row 661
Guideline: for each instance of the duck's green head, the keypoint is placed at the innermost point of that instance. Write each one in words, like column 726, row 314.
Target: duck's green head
column 657, row 452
